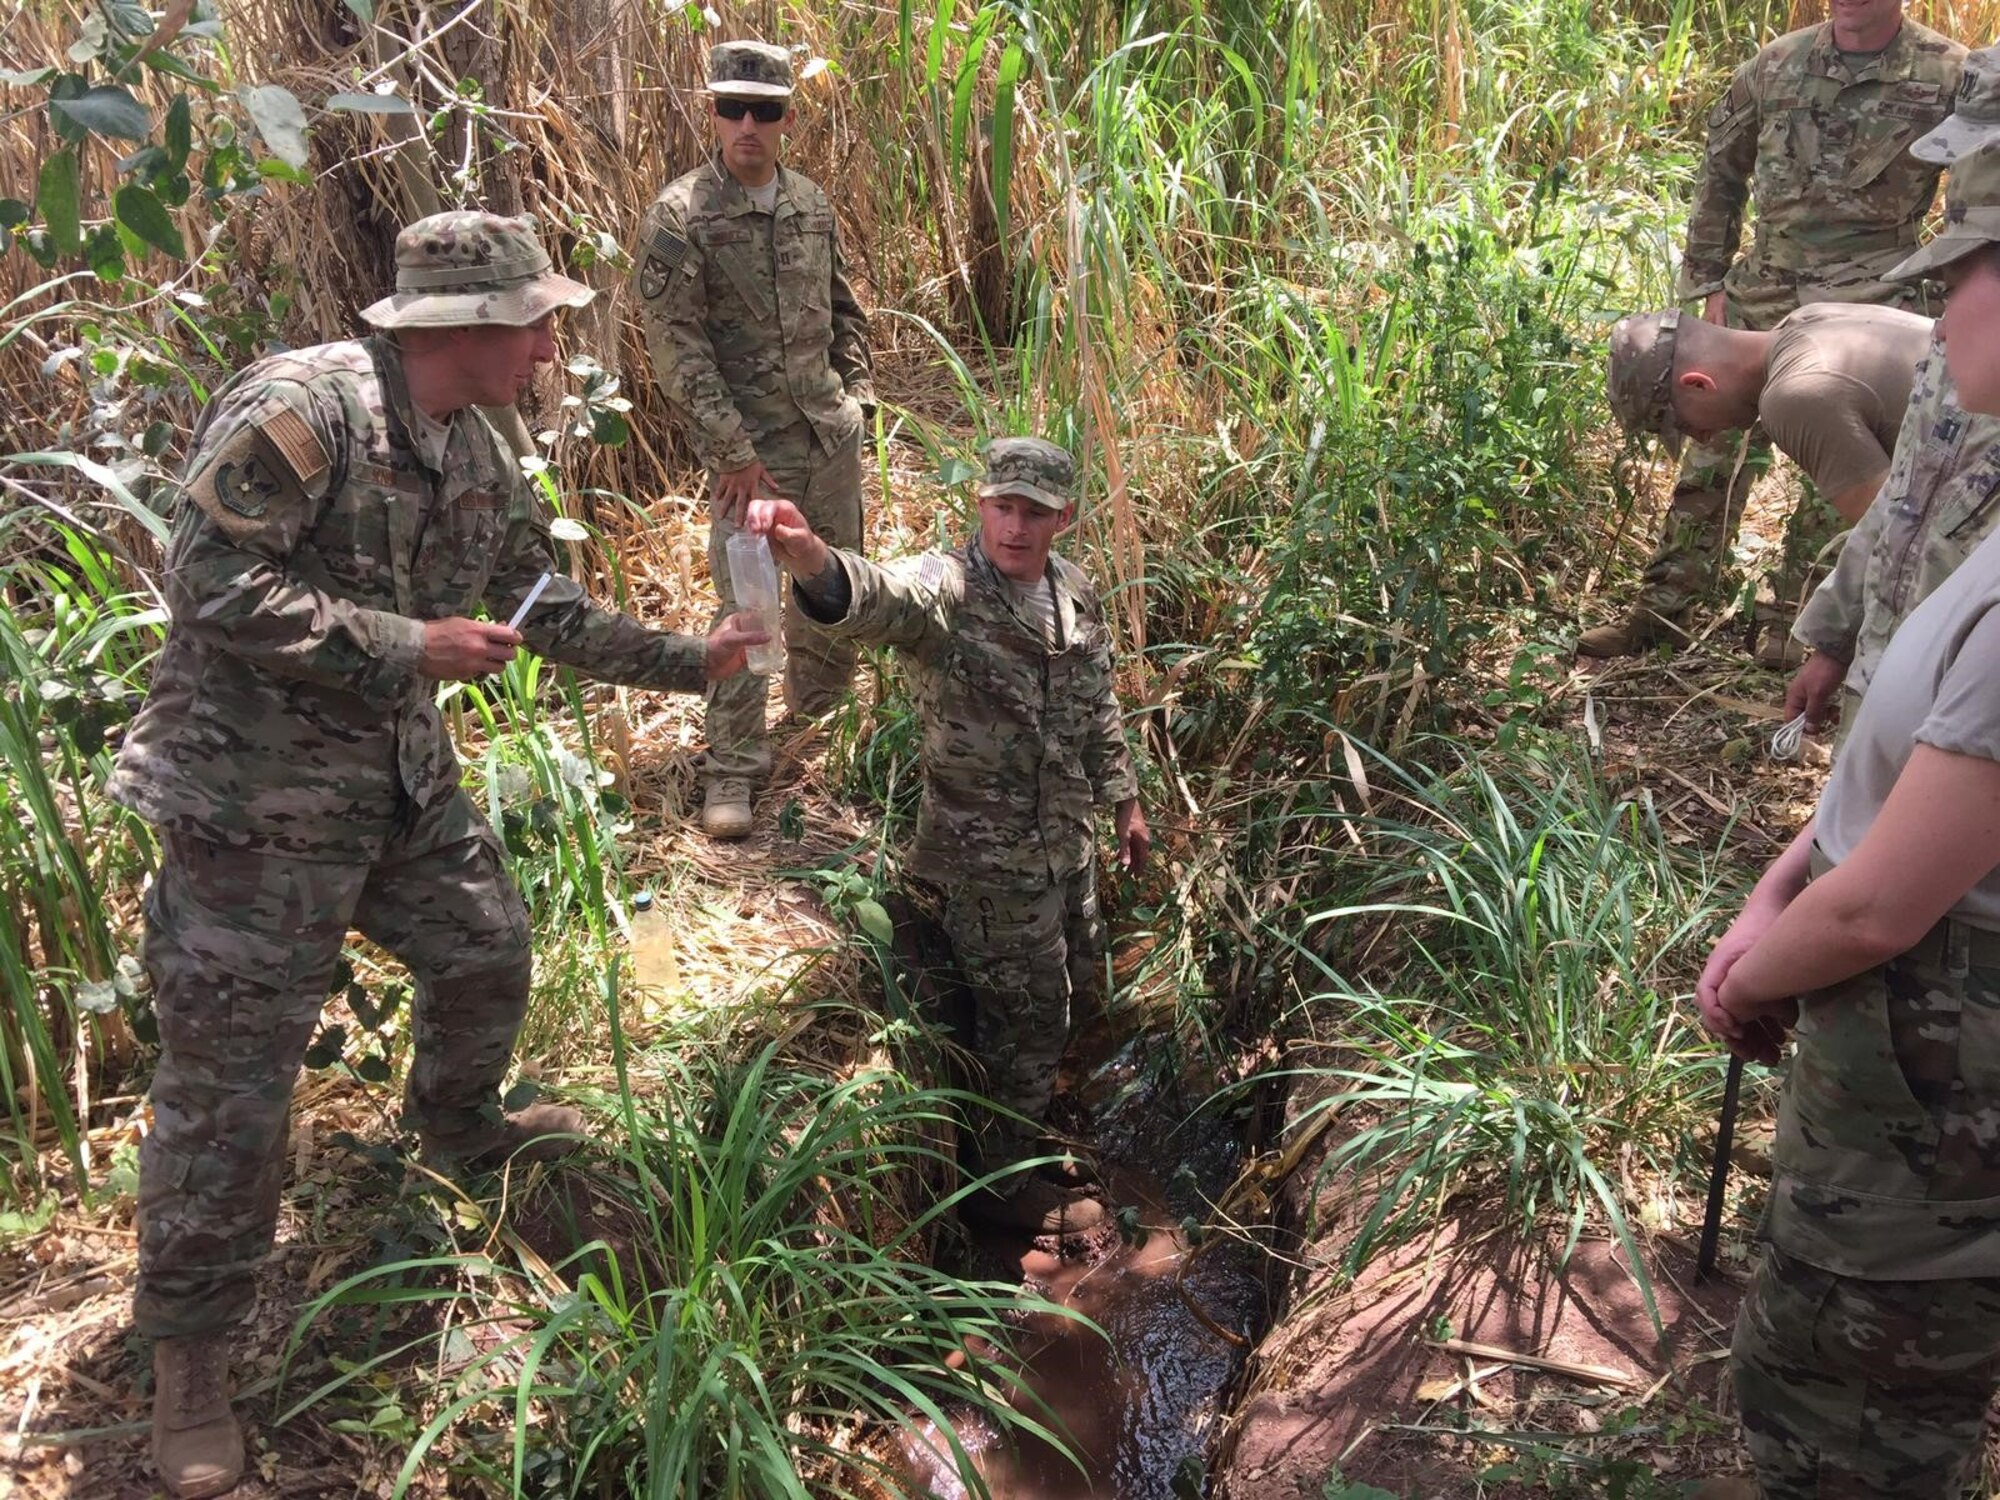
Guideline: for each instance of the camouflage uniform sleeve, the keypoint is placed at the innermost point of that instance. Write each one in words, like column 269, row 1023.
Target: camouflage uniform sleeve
column 1830, row 623
column 908, row 603
column 673, row 306
column 1107, row 759
column 1715, row 217
column 849, row 352
column 257, row 483
column 566, row 627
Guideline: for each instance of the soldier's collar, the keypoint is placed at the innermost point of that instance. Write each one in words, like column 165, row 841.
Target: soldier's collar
column 735, row 197
column 1891, row 63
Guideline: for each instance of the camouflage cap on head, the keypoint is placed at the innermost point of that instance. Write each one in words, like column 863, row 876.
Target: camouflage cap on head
column 750, row 70
column 1640, row 379
column 1030, row 467
column 1971, row 215
column 465, row 268
column 1975, row 114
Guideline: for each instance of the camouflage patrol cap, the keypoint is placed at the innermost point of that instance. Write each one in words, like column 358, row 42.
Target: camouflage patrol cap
column 465, row 268
column 1975, row 114
column 1030, row 467
column 1640, row 379
column 1971, row 215
column 750, row 70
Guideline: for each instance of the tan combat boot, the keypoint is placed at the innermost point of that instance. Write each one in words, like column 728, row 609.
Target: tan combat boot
column 541, row 1132
column 196, row 1442
column 1639, row 631
column 725, row 808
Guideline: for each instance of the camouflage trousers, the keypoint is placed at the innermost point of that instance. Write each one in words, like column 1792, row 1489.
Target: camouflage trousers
column 241, row 947
column 1024, row 958
column 826, row 487
column 1864, row 1390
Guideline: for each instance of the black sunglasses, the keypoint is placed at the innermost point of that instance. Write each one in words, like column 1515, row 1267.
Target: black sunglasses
column 763, row 111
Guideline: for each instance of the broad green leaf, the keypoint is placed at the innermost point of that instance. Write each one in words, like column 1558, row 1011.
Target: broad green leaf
column 373, row 1068
column 180, row 132
column 279, row 120
column 140, row 210
column 283, row 171
column 57, row 200
column 173, row 67
column 874, row 921
column 564, row 529
column 68, row 86
column 372, row 104
column 108, row 110
column 104, row 253
column 13, row 213
column 146, row 163
column 25, row 78
column 364, row 11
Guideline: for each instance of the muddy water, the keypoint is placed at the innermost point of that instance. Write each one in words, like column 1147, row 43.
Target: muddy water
column 1138, row 1403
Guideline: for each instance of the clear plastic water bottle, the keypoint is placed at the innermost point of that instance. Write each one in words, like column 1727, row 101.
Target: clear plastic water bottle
column 652, row 964
column 753, row 578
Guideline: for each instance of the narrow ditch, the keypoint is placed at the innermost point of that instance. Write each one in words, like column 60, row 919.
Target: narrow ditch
column 1141, row 1403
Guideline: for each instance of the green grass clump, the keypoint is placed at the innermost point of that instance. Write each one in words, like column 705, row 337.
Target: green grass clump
column 1527, row 1040
column 747, row 1308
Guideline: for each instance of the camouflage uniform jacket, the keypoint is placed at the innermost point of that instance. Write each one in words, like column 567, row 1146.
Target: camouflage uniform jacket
column 1838, row 196
column 1020, row 742
column 749, row 319
column 288, row 713
column 1939, row 502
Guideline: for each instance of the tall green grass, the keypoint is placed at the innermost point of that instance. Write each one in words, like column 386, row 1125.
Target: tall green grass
column 1525, row 1038
column 747, row 1310
column 75, row 640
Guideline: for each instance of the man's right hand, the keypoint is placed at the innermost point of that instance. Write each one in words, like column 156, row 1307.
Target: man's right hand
column 458, row 649
column 729, row 644
column 736, row 488
column 793, row 543
column 1812, row 688
column 1716, row 309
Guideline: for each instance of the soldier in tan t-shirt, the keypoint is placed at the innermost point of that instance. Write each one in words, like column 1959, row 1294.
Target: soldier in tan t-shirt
column 1829, row 384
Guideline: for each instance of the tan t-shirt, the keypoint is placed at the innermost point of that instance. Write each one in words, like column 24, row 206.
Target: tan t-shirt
column 1835, row 385
column 1035, row 603
column 1938, row 684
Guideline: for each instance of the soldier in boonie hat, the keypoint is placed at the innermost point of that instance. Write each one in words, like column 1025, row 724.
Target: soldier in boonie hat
column 465, row 267
column 1974, row 120
column 1640, row 376
column 1971, row 215
column 1030, row 467
column 750, row 70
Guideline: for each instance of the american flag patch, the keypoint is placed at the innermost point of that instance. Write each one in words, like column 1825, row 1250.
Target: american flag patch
column 669, row 246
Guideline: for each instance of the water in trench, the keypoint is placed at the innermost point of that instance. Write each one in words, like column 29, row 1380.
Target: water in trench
column 1138, row 1403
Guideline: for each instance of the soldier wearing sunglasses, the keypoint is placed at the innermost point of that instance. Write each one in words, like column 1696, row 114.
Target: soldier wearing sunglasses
column 758, row 343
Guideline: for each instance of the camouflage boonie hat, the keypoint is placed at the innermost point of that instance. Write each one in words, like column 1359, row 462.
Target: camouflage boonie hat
column 465, row 268
column 750, row 70
column 1030, row 467
column 1975, row 113
column 1971, row 215
column 1640, row 378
